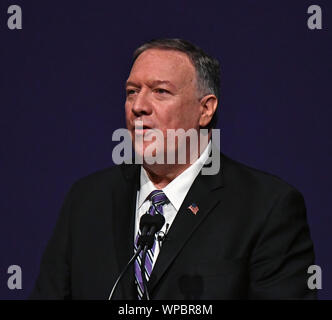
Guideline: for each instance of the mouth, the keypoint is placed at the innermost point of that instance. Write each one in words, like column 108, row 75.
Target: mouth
column 141, row 129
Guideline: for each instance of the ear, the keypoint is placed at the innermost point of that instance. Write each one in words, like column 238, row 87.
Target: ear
column 209, row 105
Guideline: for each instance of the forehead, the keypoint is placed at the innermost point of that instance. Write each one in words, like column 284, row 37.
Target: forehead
column 161, row 64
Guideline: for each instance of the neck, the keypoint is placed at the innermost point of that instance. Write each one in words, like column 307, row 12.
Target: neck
column 162, row 174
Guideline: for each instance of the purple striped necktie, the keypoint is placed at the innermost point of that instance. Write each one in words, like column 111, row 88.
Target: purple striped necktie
column 158, row 199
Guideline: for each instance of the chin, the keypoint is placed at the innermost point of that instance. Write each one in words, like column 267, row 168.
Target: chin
column 150, row 155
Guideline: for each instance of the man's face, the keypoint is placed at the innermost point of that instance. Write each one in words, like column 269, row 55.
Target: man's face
column 162, row 93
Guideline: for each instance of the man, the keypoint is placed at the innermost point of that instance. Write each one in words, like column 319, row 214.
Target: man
column 237, row 234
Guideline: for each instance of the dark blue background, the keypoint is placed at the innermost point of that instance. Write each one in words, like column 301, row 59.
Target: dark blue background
column 62, row 96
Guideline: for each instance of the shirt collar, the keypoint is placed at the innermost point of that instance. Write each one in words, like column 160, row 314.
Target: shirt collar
column 177, row 189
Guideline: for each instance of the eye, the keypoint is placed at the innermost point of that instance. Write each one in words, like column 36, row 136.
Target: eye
column 161, row 91
column 130, row 92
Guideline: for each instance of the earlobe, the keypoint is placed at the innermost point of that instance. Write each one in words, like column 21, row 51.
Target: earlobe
column 209, row 105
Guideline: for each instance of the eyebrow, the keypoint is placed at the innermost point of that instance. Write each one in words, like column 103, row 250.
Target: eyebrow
column 151, row 83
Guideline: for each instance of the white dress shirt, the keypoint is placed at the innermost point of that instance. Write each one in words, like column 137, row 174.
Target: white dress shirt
column 175, row 191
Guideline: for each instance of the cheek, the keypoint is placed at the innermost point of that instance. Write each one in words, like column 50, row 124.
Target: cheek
column 128, row 112
column 182, row 117
column 170, row 112
column 127, row 108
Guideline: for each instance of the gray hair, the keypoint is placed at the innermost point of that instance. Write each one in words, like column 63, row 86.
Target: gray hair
column 207, row 67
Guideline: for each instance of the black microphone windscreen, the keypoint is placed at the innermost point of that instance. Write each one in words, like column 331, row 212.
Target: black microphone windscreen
column 157, row 221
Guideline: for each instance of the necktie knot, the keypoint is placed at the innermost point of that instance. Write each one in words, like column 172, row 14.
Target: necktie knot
column 158, row 198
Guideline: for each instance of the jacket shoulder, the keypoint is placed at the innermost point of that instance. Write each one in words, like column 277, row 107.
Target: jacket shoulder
column 247, row 179
column 104, row 179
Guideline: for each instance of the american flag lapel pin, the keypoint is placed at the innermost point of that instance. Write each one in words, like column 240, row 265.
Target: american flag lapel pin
column 193, row 208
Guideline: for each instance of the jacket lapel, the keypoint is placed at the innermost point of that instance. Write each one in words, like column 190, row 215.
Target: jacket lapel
column 186, row 222
column 124, row 196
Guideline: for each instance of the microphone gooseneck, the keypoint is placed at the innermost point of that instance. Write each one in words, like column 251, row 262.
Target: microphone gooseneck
column 132, row 259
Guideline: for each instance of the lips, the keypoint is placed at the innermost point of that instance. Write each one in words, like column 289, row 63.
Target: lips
column 141, row 129
column 140, row 125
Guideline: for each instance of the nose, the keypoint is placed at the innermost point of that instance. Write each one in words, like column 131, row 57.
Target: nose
column 142, row 104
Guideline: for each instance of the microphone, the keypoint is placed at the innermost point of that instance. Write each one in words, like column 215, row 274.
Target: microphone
column 162, row 236
column 149, row 225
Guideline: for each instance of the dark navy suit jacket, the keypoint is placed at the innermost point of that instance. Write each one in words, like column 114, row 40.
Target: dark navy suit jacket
column 249, row 240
